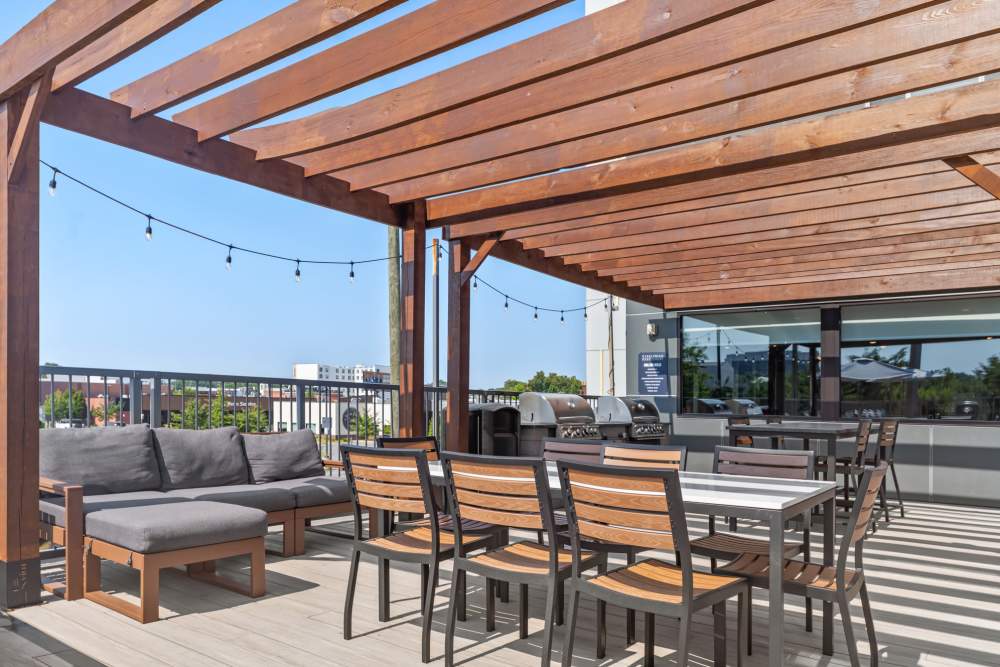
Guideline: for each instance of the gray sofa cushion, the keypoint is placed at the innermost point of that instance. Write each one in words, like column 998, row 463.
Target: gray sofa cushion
column 54, row 508
column 282, row 456
column 169, row 527
column 313, row 491
column 191, row 459
column 248, row 495
column 102, row 460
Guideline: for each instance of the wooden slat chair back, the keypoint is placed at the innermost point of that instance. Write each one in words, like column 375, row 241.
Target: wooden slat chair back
column 861, row 514
column 393, row 480
column 510, row 494
column 886, row 451
column 764, row 463
column 425, row 443
column 584, row 452
column 741, row 440
column 861, row 442
column 888, row 430
column 629, row 506
column 645, row 456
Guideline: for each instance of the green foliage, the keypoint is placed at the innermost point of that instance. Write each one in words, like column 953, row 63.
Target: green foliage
column 551, row 383
column 114, row 409
column 57, row 405
column 364, row 425
column 205, row 414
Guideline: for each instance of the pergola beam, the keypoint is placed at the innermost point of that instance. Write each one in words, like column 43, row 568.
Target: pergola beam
column 62, row 28
column 421, row 34
column 290, row 29
column 84, row 113
column 978, row 173
column 458, row 90
column 132, row 35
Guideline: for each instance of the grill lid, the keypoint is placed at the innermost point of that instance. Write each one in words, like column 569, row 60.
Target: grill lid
column 619, row 410
column 540, row 409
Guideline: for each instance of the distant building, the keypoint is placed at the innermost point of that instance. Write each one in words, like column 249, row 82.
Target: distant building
column 357, row 373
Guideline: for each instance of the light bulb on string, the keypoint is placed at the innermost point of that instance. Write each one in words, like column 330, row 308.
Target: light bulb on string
column 350, row 276
column 229, row 259
column 562, row 318
column 536, row 312
column 605, row 304
column 506, row 304
column 149, row 227
column 298, row 272
column 475, row 283
column 52, row 183
column 584, row 313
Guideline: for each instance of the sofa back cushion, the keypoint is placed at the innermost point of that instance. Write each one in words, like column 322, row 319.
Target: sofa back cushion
column 278, row 456
column 102, row 460
column 190, row 459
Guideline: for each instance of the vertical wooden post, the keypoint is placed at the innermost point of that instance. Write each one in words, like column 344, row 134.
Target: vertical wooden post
column 458, row 348
column 20, row 582
column 829, row 381
column 411, row 356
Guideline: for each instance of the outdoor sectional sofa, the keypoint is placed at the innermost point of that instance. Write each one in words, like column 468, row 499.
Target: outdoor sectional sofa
column 153, row 498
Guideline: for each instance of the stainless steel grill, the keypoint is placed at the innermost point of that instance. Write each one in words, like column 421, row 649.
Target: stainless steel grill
column 629, row 418
column 554, row 416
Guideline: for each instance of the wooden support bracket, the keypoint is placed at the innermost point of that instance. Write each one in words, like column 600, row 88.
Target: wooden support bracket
column 28, row 122
column 976, row 172
column 481, row 254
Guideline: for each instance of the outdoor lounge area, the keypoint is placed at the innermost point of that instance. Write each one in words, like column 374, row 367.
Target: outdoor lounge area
column 790, row 206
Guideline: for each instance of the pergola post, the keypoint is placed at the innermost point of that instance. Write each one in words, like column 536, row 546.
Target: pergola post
column 411, row 341
column 458, row 348
column 829, row 381
column 20, row 582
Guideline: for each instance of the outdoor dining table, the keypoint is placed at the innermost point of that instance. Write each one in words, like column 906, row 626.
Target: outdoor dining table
column 769, row 500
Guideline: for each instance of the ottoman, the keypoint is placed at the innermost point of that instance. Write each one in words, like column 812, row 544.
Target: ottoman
column 152, row 537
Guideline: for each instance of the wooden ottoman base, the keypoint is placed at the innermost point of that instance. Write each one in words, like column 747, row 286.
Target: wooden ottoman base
column 200, row 562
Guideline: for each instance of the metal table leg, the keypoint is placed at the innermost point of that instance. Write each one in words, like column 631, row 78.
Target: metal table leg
column 829, row 508
column 383, row 572
column 776, row 604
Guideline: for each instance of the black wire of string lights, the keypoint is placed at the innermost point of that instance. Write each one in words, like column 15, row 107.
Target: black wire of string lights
column 507, row 299
column 230, row 247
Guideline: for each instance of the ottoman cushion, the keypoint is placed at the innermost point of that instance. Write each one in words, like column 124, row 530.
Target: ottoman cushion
column 275, row 456
column 169, row 527
column 190, row 458
column 257, row 496
column 54, row 508
column 313, row 491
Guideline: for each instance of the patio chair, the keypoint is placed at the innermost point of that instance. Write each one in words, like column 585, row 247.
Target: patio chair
column 830, row 583
column 852, row 466
column 511, row 492
column 886, row 451
column 397, row 480
column 778, row 442
column 588, row 451
column 634, row 456
column 741, row 440
column 649, row 516
column 757, row 463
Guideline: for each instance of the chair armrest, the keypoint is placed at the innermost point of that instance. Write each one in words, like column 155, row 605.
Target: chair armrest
column 330, row 463
column 58, row 487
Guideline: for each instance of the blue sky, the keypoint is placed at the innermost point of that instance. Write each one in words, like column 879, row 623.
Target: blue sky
column 109, row 298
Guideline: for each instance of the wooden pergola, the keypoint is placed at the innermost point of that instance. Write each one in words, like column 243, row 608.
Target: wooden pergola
column 677, row 153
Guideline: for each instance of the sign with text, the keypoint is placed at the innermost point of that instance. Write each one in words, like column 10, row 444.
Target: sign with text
column 653, row 373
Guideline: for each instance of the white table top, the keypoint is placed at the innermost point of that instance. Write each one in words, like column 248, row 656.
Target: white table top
column 763, row 493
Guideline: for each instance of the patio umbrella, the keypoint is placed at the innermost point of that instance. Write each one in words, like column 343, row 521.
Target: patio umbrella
column 873, row 370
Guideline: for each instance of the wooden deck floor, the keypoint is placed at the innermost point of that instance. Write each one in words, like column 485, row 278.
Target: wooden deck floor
column 934, row 579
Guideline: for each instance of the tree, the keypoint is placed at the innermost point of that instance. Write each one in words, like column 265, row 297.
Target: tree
column 696, row 378
column 114, row 409
column 57, row 405
column 553, row 383
column 205, row 414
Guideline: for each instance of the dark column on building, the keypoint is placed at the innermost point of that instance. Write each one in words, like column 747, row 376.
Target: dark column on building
column 829, row 382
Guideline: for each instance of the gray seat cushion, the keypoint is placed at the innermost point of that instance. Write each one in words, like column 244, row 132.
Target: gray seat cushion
column 191, row 459
column 313, row 491
column 248, row 495
column 169, row 527
column 102, row 460
column 276, row 456
column 54, row 510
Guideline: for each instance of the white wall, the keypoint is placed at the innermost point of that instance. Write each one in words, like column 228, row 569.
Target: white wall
column 598, row 359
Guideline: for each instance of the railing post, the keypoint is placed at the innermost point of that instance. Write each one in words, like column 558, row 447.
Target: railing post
column 155, row 419
column 135, row 399
column 300, row 406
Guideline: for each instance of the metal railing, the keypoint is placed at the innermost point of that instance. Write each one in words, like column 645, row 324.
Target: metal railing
column 336, row 411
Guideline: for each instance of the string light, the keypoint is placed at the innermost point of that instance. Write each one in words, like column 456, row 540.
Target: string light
column 475, row 283
column 298, row 272
column 52, row 183
column 229, row 259
column 536, row 312
column 506, row 303
column 149, row 227
column 350, row 276
column 562, row 318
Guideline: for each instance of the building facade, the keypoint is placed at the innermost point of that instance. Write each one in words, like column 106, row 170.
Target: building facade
column 358, row 373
